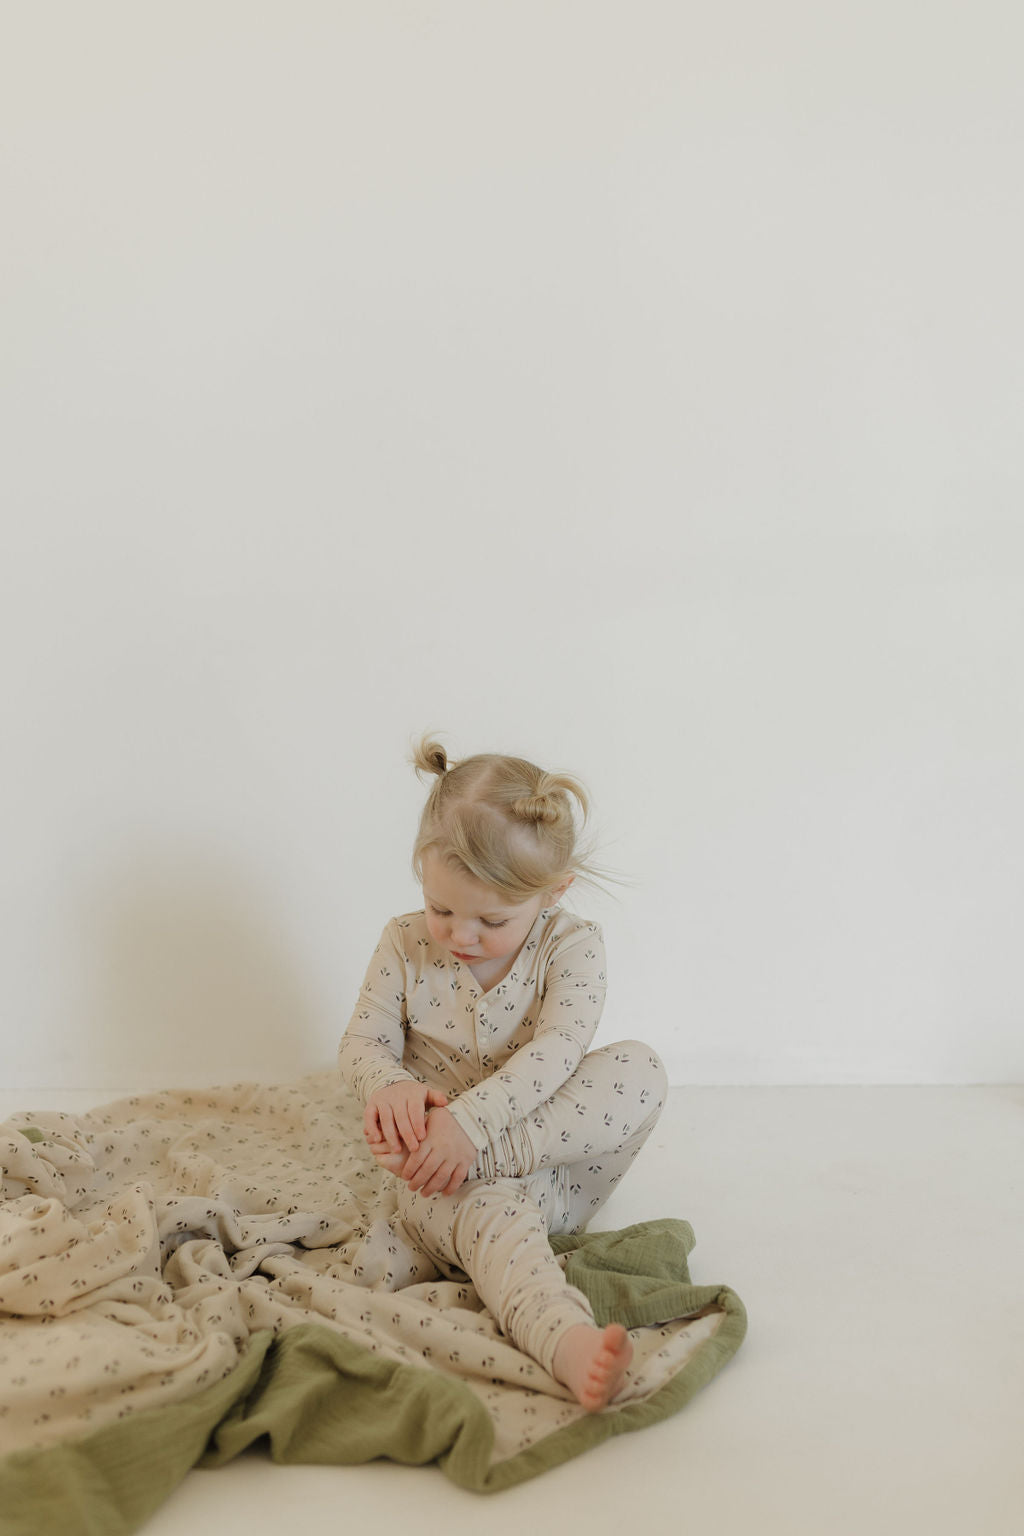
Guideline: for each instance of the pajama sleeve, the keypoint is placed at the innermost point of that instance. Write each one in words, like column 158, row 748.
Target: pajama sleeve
column 572, row 997
column 370, row 1053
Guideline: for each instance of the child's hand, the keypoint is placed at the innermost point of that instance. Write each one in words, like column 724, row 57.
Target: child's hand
column 396, row 1117
column 443, row 1159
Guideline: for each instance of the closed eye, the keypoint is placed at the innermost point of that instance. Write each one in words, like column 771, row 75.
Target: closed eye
column 444, row 912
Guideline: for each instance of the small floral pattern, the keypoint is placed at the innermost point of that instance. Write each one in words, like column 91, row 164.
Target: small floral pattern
column 143, row 1244
column 423, row 1015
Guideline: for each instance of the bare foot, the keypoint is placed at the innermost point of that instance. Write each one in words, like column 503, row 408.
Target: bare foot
column 591, row 1362
column 394, row 1162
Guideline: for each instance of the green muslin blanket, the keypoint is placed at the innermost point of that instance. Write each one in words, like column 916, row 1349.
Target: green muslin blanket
column 188, row 1274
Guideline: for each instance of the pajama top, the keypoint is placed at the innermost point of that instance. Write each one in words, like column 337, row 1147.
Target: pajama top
column 423, row 1016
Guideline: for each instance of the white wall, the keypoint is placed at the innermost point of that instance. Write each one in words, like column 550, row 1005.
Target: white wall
column 633, row 386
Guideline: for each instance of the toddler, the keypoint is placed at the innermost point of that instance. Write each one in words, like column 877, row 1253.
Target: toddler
column 469, row 1047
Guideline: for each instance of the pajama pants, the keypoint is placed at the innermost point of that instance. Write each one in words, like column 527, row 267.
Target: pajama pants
column 550, row 1172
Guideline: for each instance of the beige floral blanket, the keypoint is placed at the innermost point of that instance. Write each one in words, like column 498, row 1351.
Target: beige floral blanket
column 190, row 1273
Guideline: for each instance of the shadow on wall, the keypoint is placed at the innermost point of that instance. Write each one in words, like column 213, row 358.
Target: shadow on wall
column 191, row 981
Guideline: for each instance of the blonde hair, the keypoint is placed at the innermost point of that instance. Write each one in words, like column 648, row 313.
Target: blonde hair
column 502, row 820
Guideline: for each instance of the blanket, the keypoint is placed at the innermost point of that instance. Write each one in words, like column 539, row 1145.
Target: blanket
column 189, row 1274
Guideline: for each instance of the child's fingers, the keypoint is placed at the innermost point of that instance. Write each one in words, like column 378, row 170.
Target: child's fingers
column 389, row 1128
column 414, row 1166
column 421, row 1166
column 459, row 1175
column 418, row 1120
column 435, row 1183
column 379, row 1125
column 404, row 1128
column 425, row 1177
column 437, row 1098
column 441, row 1178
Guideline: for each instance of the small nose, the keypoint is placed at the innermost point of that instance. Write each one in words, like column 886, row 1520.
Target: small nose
column 462, row 932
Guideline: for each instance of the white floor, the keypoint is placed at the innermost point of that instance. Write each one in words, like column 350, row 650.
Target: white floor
column 876, row 1236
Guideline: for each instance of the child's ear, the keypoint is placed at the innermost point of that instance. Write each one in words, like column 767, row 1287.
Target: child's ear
column 558, row 891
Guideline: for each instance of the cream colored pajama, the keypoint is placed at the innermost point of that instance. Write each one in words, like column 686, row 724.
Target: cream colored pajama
column 555, row 1126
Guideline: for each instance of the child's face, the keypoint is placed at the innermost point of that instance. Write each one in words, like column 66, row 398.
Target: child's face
column 474, row 922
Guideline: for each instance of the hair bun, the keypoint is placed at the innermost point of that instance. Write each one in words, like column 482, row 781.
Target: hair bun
column 542, row 807
column 430, row 757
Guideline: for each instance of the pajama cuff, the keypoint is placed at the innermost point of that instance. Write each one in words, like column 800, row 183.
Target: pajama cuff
column 484, row 1110
column 373, row 1082
column 467, row 1121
